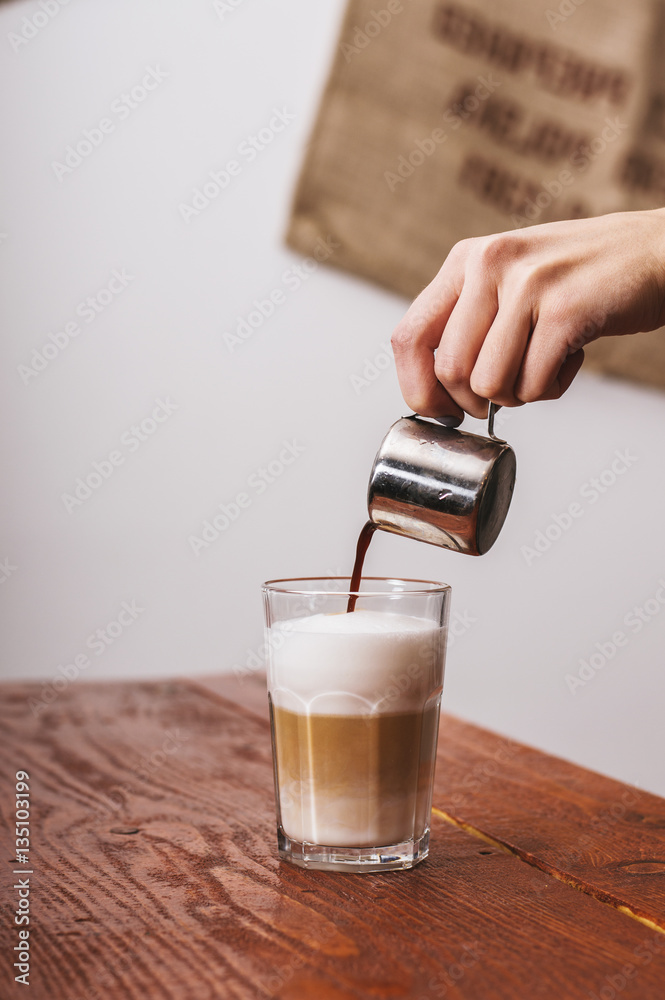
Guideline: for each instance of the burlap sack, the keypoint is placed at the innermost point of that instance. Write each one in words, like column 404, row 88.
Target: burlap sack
column 443, row 120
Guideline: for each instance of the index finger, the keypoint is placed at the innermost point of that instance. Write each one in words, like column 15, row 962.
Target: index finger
column 417, row 336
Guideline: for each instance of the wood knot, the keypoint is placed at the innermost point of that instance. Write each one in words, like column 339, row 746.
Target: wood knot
column 124, row 829
column 647, row 867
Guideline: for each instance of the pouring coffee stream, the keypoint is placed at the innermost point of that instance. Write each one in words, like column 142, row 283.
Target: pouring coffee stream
column 364, row 538
column 438, row 485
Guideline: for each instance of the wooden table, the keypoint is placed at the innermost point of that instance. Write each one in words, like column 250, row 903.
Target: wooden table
column 153, row 870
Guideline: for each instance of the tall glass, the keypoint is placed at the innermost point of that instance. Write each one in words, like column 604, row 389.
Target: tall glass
column 354, row 715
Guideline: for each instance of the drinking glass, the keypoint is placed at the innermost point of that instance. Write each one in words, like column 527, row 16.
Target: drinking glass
column 354, row 715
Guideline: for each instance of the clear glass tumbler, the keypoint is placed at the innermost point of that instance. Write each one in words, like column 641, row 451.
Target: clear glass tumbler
column 354, row 715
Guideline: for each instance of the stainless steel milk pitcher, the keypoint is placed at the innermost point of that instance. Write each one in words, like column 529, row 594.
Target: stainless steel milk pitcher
column 442, row 486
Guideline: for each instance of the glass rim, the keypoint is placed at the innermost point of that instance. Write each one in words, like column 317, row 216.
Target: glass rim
column 431, row 587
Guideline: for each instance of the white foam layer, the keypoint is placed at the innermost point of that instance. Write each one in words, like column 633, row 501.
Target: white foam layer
column 348, row 664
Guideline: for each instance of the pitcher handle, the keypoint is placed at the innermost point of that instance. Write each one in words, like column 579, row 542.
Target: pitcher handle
column 491, row 413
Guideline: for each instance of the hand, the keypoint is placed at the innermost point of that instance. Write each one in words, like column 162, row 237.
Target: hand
column 507, row 316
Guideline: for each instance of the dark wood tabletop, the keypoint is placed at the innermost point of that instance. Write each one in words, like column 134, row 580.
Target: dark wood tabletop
column 151, row 870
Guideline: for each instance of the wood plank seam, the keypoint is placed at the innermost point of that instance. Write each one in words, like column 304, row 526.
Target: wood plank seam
column 180, row 893
column 534, row 862
column 566, row 878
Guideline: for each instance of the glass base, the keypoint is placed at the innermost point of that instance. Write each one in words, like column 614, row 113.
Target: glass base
column 353, row 859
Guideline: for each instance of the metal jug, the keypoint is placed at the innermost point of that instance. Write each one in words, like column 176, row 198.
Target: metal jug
column 442, row 486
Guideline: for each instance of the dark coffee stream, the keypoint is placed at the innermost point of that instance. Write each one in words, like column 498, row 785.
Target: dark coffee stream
column 364, row 539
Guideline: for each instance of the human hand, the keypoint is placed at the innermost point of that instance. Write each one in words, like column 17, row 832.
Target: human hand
column 509, row 315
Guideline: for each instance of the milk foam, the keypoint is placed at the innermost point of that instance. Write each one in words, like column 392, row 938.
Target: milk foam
column 354, row 664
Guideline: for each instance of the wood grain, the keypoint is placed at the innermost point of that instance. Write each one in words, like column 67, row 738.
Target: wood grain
column 195, row 904
column 602, row 836
column 599, row 835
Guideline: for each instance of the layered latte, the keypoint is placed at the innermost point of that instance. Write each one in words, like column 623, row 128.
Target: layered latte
column 355, row 702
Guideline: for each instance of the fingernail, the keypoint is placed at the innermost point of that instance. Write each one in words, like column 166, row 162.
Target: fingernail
column 449, row 421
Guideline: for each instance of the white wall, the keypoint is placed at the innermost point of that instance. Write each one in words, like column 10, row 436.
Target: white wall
column 162, row 338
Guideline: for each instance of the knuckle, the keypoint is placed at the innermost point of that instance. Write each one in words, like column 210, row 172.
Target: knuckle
column 486, row 379
column 477, row 410
column 529, row 279
column 490, row 388
column 451, row 370
column 463, row 248
column 402, row 338
column 527, row 394
column 420, row 403
column 494, row 252
column 485, row 390
column 537, row 389
column 505, row 399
